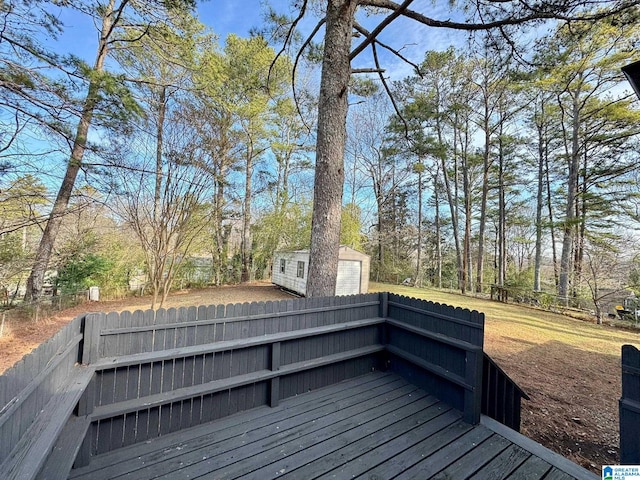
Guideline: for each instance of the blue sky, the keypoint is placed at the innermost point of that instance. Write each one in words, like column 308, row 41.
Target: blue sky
column 240, row 16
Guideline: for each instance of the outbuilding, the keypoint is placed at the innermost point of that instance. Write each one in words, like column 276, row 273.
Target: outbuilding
column 290, row 271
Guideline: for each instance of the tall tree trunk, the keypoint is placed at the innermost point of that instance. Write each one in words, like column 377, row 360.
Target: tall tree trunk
column 542, row 153
column 418, row 281
column 436, row 198
column 245, row 275
column 483, row 199
column 581, row 227
column 451, row 198
column 157, row 193
column 466, row 269
column 569, row 227
column 329, row 175
column 43, row 254
column 552, row 228
column 502, row 240
column 456, row 205
column 467, row 202
column 157, row 240
column 218, row 227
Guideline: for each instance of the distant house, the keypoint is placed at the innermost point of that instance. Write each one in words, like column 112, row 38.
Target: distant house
column 290, row 271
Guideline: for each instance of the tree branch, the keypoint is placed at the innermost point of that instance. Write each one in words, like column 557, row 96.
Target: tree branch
column 509, row 20
column 381, row 26
column 365, row 32
column 388, row 90
column 295, row 67
column 366, row 70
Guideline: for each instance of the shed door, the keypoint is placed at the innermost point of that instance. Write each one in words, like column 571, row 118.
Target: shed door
column 348, row 280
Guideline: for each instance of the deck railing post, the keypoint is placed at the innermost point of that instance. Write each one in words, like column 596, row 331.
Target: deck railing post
column 384, row 304
column 630, row 407
column 473, row 397
column 275, row 382
column 92, row 325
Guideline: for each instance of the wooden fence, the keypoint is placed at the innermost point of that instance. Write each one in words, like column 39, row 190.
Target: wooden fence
column 144, row 374
column 630, row 407
column 34, row 391
column 197, row 365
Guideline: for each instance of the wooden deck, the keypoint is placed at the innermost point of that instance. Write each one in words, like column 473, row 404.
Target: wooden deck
column 378, row 426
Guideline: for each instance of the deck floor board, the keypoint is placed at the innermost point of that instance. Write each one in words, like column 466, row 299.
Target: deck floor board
column 375, row 426
column 531, row 469
column 503, row 464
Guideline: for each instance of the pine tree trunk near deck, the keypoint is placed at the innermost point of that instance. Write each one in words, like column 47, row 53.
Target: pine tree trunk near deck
column 329, row 175
column 43, row 254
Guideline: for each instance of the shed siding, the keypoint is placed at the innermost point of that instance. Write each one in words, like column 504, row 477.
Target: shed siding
column 289, row 279
column 347, row 253
column 353, row 271
column 348, row 279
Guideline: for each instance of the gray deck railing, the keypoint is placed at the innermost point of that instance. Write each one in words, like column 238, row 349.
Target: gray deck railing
column 41, row 384
column 501, row 396
column 145, row 374
column 439, row 348
column 190, row 368
column 630, row 407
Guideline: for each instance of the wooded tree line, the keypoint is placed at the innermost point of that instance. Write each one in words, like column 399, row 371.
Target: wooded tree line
column 510, row 174
column 186, row 158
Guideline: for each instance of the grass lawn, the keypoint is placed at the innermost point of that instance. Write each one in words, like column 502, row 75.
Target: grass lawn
column 526, row 326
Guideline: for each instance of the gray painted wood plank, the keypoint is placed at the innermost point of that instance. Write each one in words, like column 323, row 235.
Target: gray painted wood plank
column 257, row 424
column 324, row 398
column 367, row 430
column 59, row 462
column 130, row 428
column 444, row 428
column 156, row 376
column 107, row 380
column 434, row 418
column 122, row 340
column 121, row 381
column 564, row 464
column 171, row 318
column 158, row 335
column 133, row 382
column 469, row 463
column 117, row 432
column 534, row 468
column 29, row 454
column 556, row 474
column 429, row 457
column 108, row 346
column 235, row 459
column 502, row 465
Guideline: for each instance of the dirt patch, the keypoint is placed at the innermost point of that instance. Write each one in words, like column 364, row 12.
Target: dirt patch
column 574, row 399
column 574, row 392
column 22, row 337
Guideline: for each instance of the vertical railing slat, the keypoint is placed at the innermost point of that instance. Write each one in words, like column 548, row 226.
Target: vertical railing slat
column 630, row 407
